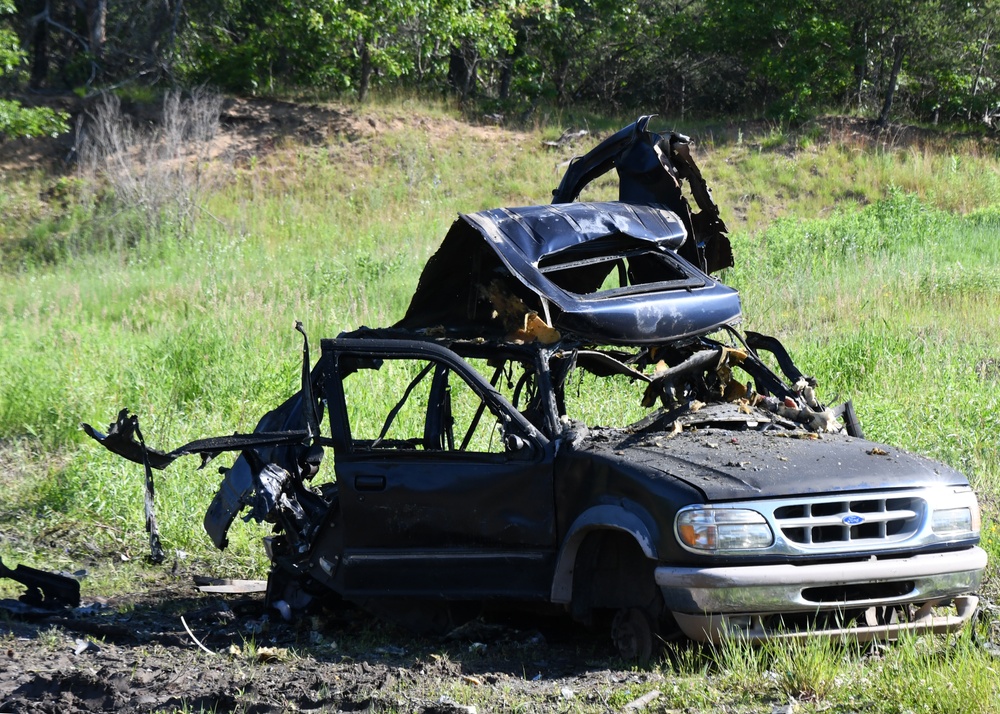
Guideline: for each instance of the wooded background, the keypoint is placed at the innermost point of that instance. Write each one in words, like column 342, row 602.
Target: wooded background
column 924, row 60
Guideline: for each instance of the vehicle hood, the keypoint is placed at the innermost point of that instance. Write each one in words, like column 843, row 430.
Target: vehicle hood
column 726, row 465
column 496, row 266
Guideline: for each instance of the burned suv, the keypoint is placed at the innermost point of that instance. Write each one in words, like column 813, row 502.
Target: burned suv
column 566, row 414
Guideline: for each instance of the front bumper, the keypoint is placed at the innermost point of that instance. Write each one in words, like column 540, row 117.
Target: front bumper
column 710, row 602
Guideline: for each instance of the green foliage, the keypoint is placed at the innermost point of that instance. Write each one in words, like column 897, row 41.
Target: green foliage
column 915, row 674
column 790, row 81
column 248, row 46
column 17, row 120
column 10, row 51
column 815, row 245
column 935, row 60
column 340, row 45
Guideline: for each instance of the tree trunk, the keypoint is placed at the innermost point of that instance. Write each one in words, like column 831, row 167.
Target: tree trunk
column 458, row 71
column 40, row 48
column 172, row 37
column 507, row 71
column 860, row 32
column 506, row 75
column 560, row 81
column 899, row 49
column 461, row 71
column 366, row 70
column 97, row 14
column 979, row 72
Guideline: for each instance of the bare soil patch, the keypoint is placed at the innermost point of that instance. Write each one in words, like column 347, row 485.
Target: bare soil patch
column 247, row 128
column 254, row 128
column 133, row 654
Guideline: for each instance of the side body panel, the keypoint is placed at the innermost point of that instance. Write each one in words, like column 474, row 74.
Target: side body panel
column 440, row 523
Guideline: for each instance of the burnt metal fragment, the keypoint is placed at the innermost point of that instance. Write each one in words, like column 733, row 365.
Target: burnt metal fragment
column 45, row 590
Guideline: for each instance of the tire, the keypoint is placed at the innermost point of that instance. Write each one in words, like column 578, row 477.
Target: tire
column 634, row 633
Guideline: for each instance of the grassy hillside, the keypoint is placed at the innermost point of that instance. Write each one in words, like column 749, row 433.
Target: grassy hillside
column 872, row 257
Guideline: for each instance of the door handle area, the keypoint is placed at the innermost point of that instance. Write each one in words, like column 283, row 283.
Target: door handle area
column 367, row 482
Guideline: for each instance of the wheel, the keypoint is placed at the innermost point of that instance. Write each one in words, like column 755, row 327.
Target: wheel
column 634, row 633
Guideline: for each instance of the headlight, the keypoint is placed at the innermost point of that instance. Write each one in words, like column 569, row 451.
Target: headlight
column 723, row 529
column 953, row 521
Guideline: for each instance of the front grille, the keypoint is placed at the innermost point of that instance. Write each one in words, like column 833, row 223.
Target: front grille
column 858, row 522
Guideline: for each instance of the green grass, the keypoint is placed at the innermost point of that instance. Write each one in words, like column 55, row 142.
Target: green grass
column 875, row 266
column 915, row 674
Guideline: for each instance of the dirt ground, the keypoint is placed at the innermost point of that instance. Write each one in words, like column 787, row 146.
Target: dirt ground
column 134, row 655
column 252, row 128
column 248, row 129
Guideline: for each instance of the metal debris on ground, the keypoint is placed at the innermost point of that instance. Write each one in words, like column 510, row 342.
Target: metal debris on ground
column 45, row 591
column 228, row 586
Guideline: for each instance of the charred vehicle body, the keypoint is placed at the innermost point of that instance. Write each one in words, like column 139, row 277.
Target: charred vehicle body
column 484, row 448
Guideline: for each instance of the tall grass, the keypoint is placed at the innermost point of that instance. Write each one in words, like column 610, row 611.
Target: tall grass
column 135, row 185
column 147, row 181
column 915, row 674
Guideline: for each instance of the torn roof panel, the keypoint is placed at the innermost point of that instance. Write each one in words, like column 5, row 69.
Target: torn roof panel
column 627, row 272
column 604, row 273
column 538, row 231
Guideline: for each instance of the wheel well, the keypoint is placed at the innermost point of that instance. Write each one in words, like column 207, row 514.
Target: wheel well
column 612, row 572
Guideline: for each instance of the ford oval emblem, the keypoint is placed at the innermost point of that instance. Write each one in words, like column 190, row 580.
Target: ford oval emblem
column 853, row 520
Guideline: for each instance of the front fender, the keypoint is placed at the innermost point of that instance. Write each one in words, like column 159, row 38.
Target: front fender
column 596, row 518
